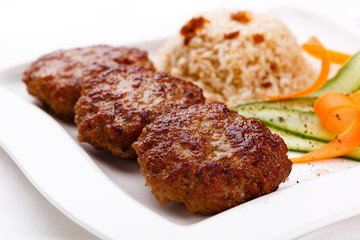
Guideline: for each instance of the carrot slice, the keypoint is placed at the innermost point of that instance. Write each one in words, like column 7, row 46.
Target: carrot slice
column 356, row 97
column 336, row 111
column 333, row 110
column 340, row 119
column 338, row 57
column 312, row 46
column 335, row 57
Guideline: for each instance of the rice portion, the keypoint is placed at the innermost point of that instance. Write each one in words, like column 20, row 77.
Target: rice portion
column 237, row 61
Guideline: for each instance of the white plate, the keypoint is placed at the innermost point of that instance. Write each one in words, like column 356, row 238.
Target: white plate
column 107, row 196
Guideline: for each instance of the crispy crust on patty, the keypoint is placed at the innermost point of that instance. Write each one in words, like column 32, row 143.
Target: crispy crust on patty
column 210, row 158
column 56, row 78
column 116, row 106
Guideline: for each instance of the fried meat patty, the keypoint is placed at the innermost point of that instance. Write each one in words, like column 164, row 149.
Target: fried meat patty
column 56, row 78
column 210, row 158
column 116, row 106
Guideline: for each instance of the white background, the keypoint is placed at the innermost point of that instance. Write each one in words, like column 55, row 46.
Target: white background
column 29, row 29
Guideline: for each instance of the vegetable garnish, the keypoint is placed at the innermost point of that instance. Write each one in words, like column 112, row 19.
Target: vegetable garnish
column 335, row 57
column 356, row 97
column 338, row 112
column 314, row 47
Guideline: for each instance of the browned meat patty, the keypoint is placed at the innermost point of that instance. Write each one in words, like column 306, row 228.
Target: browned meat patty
column 210, row 158
column 116, row 106
column 56, row 78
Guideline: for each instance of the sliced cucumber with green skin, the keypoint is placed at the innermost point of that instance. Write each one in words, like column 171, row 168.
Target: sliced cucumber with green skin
column 302, row 104
column 298, row 144
column 347, row 79
column 302, row 124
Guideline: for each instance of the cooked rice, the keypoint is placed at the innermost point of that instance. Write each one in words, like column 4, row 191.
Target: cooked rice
column 238, row 70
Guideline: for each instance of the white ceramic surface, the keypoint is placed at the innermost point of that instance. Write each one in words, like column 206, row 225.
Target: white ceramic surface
column 108, row 197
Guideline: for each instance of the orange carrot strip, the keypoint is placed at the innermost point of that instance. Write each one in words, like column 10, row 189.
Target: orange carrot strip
column 356, row 97
column 340, row 119
column 336, row 111
column 335, row 57
column 314, row 46
column 346, row 143
column 338, row 57
column 326, row 107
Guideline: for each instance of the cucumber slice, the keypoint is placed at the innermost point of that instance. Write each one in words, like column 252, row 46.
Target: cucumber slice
column 302, row 104
column 347, row 79
column 298, row 144
column 302, row 124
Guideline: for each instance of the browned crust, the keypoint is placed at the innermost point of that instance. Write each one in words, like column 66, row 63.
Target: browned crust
column 56, row 78
column 210, row 158
column 116, row 106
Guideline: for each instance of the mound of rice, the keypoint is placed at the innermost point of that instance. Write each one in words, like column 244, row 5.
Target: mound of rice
column 236, row 57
